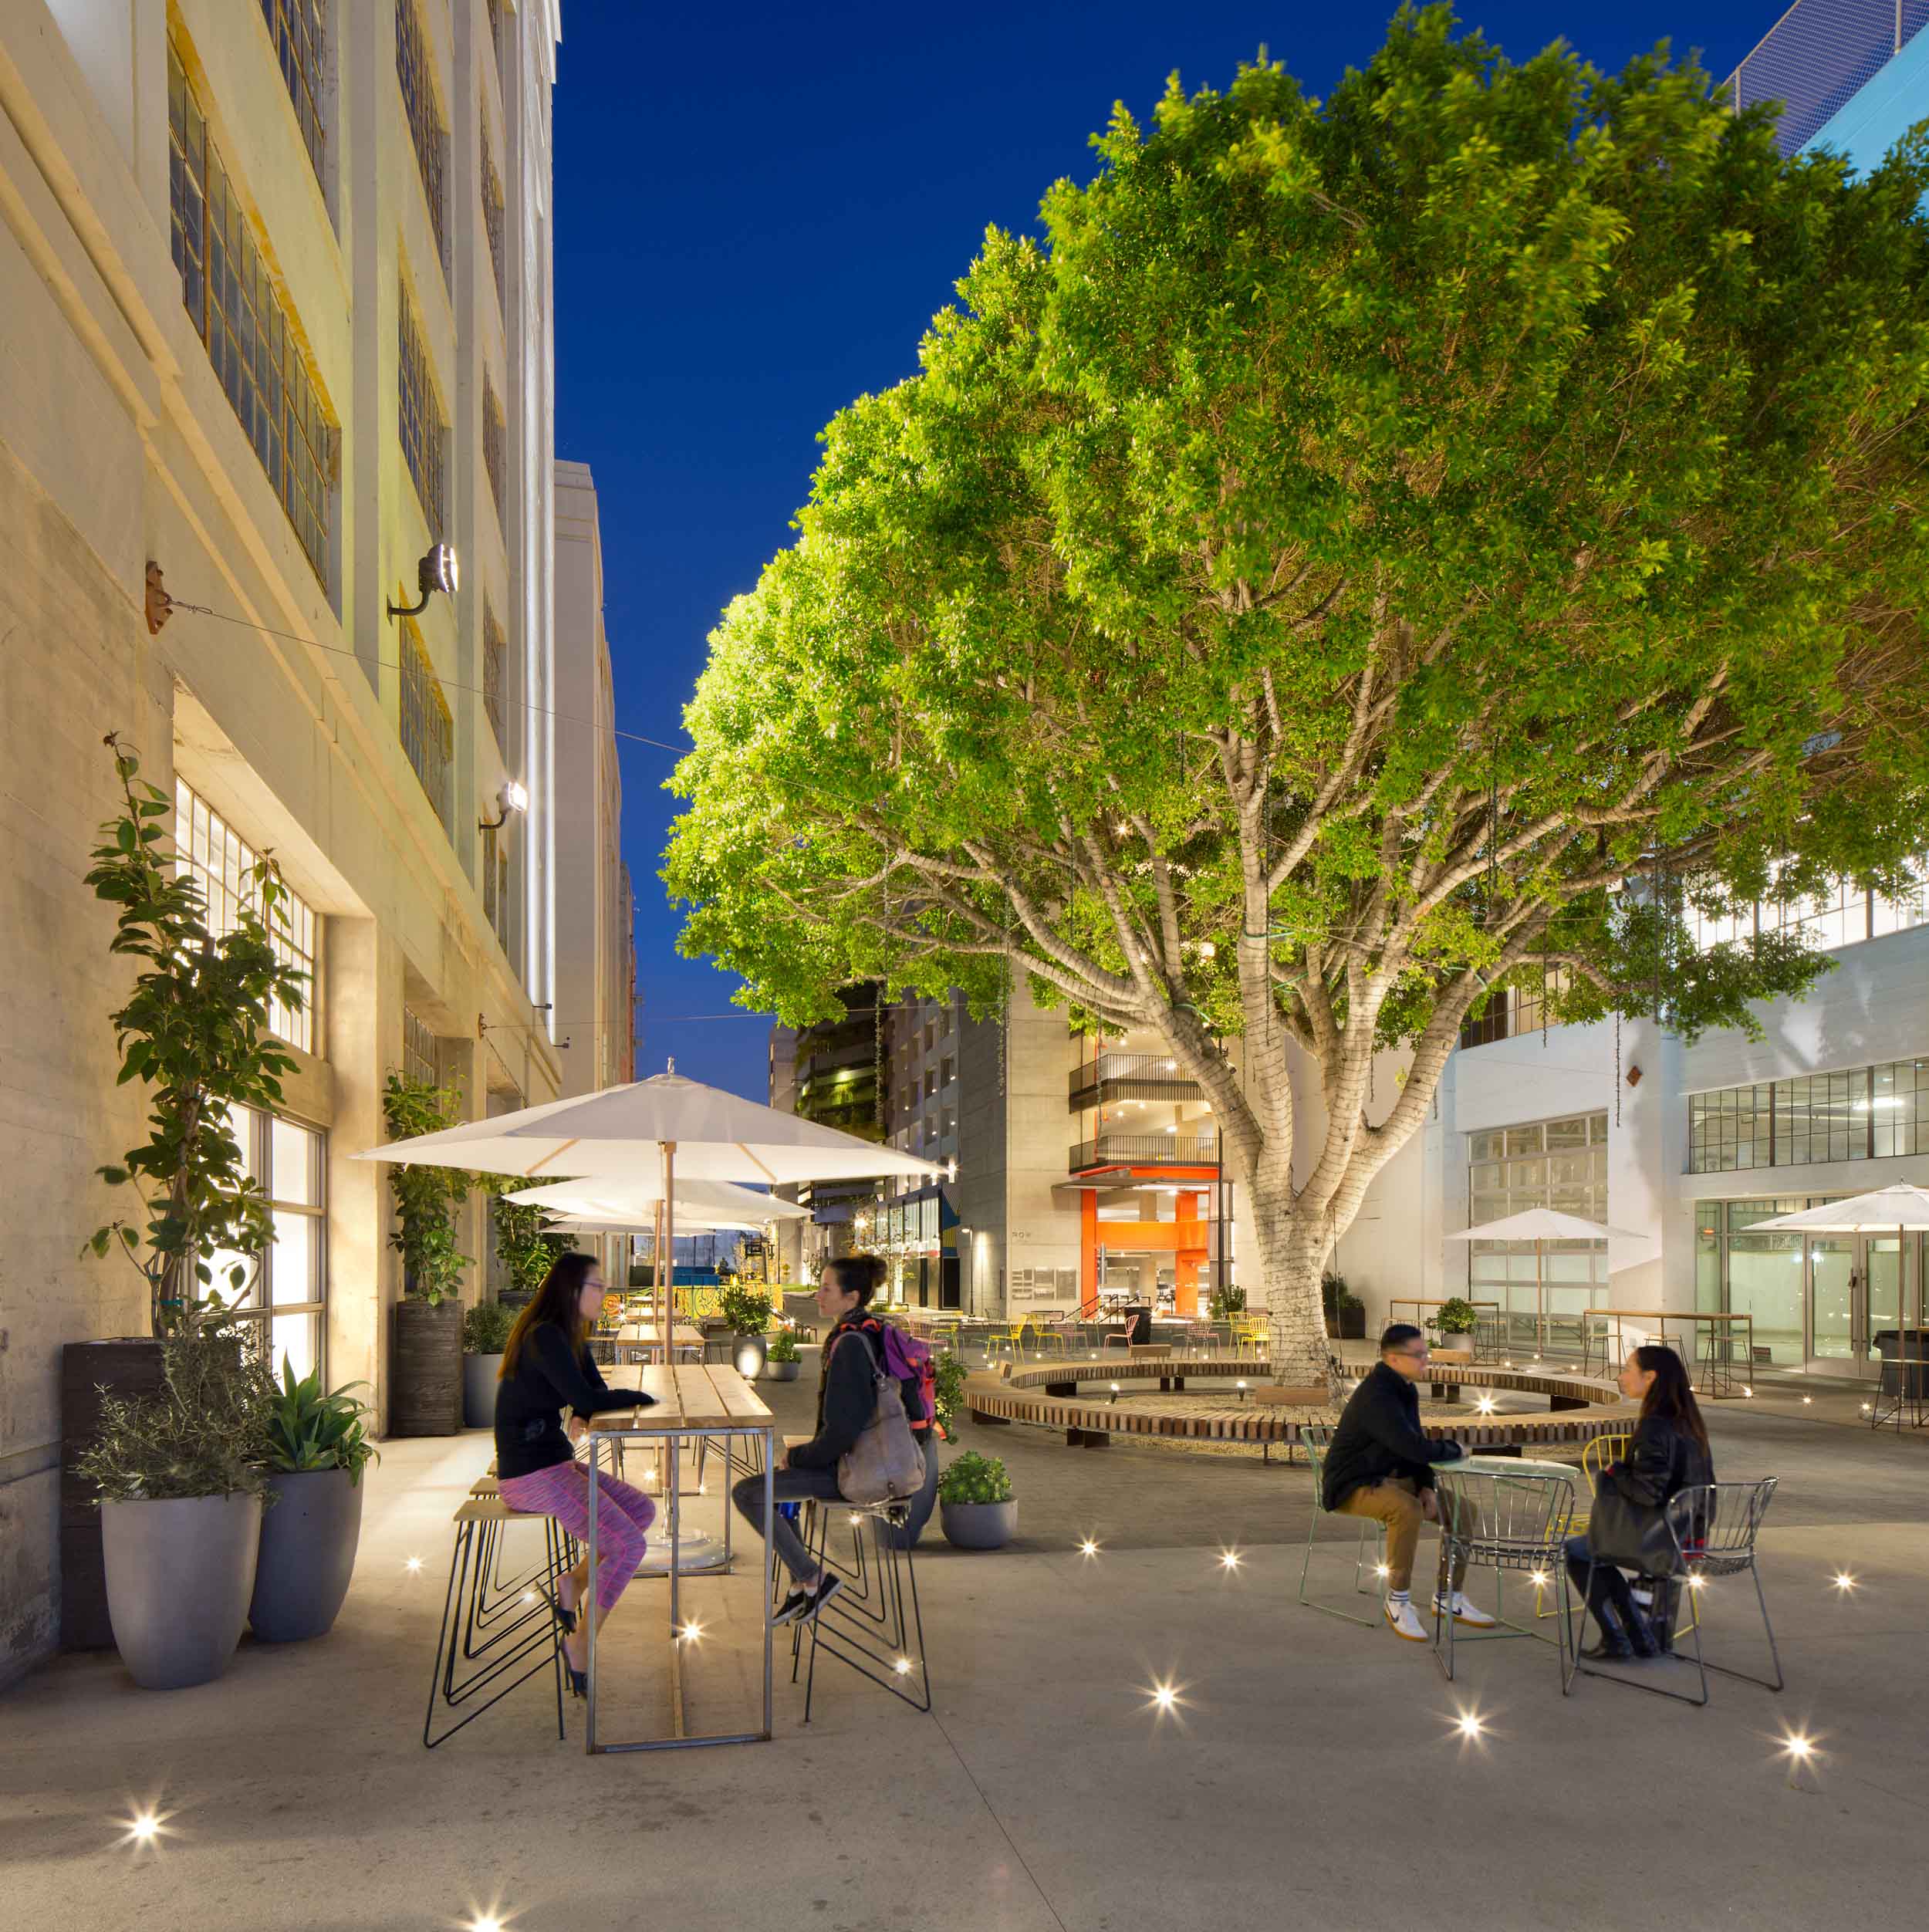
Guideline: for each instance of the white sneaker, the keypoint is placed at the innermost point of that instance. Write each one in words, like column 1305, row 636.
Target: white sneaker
column 1466, row 1613
column 1404, row 1622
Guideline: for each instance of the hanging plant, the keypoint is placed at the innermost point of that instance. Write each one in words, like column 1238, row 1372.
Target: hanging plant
column 196, row 1032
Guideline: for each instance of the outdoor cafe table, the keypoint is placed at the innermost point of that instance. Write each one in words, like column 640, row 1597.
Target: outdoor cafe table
column 1714, row 1367
column 648, row 1337
column 693, row 1399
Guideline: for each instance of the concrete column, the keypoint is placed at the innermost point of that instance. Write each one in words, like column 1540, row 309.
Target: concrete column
column 1645, row 1156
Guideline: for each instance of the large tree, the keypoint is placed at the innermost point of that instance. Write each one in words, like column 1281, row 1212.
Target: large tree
column 1367, row 551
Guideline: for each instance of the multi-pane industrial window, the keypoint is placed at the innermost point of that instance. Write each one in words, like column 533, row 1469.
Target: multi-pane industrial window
column 493, row 434
column 495, row 667
column 1561, row 1164
column 238, row 312
column 492, row 207
column 495, row 883
column 428, row 736
column 427, row 125
column 1839, row 915
column 219, row 861
column 284, row 1296
column 298, row 30
column 1868, row 1113
column 424, row 435
column 1513, row 1011
column 421, row 1055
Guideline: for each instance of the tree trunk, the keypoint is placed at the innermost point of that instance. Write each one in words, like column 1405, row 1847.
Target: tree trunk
column 1290, row 1255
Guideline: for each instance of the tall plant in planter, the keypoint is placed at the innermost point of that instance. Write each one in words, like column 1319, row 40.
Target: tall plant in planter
column 425, row 1379
column 523, row 1238
column 194, row 1031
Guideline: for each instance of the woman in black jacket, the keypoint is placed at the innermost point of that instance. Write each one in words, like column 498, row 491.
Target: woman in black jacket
column 1669, row 1453
column 546, row 1368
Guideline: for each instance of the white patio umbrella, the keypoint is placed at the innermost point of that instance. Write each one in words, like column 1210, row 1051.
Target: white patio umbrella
column 1540, row 1225
column 1901, row 1206
column 613, row 1201
column 658, row 1125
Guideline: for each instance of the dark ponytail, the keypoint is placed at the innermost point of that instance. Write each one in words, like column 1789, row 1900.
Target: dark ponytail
column 555, row 1301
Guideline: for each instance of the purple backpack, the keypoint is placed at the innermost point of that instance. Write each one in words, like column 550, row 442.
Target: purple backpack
column 910, row 1361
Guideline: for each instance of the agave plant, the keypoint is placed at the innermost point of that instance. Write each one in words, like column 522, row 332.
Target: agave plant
column 308, row 1430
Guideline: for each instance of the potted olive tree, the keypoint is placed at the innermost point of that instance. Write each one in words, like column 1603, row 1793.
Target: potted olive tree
column 485, row 1333
column 318, row 1446
column 976, row 1503
column 194, row 1032
column 425, row 1372
column 179, row 1478
column 746, row 1313
column 1454, row 1323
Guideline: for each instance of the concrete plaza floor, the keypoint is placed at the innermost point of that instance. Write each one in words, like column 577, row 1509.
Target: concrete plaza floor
column 1312, row 1775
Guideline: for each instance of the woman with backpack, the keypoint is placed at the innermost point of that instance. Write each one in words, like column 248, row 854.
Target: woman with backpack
column 1669, row 1453
column 847, row 1404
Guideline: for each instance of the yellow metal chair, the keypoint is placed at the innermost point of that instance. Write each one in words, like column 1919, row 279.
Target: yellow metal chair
column 1005, row 1341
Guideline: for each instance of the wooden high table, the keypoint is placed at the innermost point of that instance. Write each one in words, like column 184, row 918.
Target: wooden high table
column 1714, row 1367
column 692, row 1400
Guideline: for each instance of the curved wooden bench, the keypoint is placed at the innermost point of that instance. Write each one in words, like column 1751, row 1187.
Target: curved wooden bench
column 1051, row 1397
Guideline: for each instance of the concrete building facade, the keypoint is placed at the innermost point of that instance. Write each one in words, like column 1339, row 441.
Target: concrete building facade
column 279, row 319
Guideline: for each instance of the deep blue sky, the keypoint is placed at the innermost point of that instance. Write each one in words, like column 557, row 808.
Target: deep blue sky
column 757, row 211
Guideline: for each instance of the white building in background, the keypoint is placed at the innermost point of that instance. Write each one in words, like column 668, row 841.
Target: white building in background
column 275, row 316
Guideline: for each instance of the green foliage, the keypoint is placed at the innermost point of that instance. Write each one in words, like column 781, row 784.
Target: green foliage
column 205, row 1434
column 973, row 1478
column 1456, row 1316
column 1226, row 1303
column 485, row 1329
column 948, row 1392
column 783, row 1346
column 744, row 1310
column 426, row 1198
column 195, row 1032
column 1336, row 1294
column 1368, row 550
column 308, row 1430
column 528, row 1251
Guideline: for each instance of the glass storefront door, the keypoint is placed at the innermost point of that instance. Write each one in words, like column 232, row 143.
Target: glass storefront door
column 1834, row 1333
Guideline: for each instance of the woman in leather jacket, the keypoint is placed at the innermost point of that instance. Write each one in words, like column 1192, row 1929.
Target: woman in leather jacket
column 1669, row 1453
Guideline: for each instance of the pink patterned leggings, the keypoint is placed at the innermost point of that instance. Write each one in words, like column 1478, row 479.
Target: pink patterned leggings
column 623, row 1516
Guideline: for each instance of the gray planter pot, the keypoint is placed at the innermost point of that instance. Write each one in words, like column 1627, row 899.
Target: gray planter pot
column 979, row 1525
column 308, row 1537
column 179, row 1576
column 479, row 1373
column 781, row 1371
column 740, row 1345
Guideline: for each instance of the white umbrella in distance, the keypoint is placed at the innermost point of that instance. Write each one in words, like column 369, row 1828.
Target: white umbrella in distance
column 612, row 1200
column 665, row 1123
column 1541, row 1225
column 1902, row 1207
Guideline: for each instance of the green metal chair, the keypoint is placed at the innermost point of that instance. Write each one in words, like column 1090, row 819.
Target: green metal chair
column 1318, row 1437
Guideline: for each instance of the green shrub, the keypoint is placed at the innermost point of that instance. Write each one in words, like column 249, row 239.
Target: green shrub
column 1226, row 1303
column 1458, row 1316
column 308, row 1430
column 973, row 1478
column 783, row 1346
column 745, row 1311
column 948, row 1374
column 485, row 1329
column 425, row 1198
column 204, row 1434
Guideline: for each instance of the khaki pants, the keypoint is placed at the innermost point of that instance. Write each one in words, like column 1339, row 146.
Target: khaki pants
column 1395, row 1503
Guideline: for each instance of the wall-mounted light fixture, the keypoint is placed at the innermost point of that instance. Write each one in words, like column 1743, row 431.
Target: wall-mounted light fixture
column 437, row 571
column 512, row 798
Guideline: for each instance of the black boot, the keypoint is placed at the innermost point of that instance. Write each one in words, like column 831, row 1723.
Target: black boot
column 1612, row 1644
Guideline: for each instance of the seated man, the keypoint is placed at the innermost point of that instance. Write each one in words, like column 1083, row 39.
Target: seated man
column 1379, row 1466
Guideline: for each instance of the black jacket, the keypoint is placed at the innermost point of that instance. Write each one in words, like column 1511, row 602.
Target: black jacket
column 1379, row 1436
column 847, row 1391
column 550, row 1376
column 1660, row 1460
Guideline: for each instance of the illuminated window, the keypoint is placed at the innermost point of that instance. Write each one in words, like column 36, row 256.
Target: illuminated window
column 285, row 1297
column 299, row 29
column 427, row 126
column 1840, row 914
column 219, row 860
column 424, row 430
column 428, row 734
column 1866, row 1113
column 496, row 666
column 492, row 439
column 239, row 314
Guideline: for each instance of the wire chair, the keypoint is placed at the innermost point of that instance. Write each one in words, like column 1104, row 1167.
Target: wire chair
column 1714, row 1526
column 1318, row 1437
column 1503, row 1523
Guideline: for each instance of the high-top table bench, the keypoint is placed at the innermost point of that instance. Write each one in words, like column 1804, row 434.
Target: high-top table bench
column 692, row 1400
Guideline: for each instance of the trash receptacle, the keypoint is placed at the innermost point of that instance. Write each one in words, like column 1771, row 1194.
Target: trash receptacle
column 1138, row 1327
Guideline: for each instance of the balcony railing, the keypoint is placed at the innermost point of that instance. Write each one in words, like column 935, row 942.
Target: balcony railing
column 1129, row 1077
column 1146, row 1149
column 1817, row 57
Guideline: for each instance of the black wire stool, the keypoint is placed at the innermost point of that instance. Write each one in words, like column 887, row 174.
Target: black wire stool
column 873, row 1624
